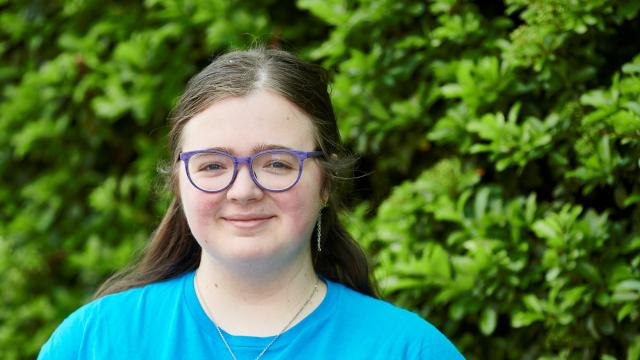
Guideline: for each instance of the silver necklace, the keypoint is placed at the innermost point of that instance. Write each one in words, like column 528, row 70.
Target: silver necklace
column 206, row 307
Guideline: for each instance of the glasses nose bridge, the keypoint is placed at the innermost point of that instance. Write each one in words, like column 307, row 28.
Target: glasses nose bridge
column 237, row 161
column 243, row 160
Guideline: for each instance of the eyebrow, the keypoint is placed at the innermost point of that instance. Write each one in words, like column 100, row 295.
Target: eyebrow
column 255, row 149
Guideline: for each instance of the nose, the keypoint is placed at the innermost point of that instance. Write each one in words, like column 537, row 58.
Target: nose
column 244, row 189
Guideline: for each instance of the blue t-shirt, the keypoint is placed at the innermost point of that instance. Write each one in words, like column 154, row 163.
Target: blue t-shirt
column 164, row 320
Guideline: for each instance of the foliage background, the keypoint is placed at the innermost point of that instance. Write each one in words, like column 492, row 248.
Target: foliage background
column 503, row 138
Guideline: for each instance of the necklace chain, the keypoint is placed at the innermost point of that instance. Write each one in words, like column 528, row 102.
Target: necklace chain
column 224, row 340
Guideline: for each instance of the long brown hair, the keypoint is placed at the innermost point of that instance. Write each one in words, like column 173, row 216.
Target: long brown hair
column 173, row 250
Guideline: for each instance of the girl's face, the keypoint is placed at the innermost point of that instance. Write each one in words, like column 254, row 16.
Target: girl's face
column 245, row 225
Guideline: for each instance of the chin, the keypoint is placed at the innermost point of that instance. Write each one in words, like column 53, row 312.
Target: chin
column 249, row 254
column 263, row 255
column 245, row 249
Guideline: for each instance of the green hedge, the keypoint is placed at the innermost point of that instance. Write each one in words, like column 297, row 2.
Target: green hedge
column 502, row 141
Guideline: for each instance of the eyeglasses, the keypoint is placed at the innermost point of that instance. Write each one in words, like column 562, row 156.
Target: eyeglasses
column 272, row 170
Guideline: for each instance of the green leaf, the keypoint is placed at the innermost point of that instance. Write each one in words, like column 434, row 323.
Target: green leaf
column 530, row 208
column 631, row 199
column 604, row 153
column 631, row 68
column 628, row 285
column 596, row 98
column 523, row 319
column 589, row 272
column 533, row 303
column 488, row 321
column 331, row 11
column 621, row 297
column 546, row 229
column 633, row 353
column 625, row 311
column 480, row 203
column 572, row 296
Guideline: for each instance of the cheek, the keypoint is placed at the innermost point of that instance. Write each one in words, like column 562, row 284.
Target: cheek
column 196, row 204
column 301, row 209
column 305, row 199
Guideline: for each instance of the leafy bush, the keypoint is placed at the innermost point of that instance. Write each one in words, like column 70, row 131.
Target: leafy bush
column 514, row 130
column 503, row 140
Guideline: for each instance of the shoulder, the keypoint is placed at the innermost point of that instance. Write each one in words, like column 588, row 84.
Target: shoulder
column 148, row 297
column 137, row 300
column 379, row 317
column 357, row 304
column 107, row 317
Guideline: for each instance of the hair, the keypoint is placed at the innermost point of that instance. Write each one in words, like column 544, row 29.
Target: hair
column 173, row 250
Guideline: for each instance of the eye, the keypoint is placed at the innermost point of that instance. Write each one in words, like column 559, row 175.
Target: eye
column 210, row 164
column 212, row 167
column 278, row 165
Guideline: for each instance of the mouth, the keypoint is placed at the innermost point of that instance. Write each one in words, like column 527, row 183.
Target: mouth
column 247, row 221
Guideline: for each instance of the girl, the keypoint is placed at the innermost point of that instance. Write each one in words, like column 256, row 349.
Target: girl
column 250, row 260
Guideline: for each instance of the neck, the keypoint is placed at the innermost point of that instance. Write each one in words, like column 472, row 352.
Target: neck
column 257, row 302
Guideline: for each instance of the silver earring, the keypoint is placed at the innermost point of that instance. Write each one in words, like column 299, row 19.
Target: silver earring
column 319, row 232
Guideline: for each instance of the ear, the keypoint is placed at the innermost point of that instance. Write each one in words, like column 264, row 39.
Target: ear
column 326, row 189
column 324, row 197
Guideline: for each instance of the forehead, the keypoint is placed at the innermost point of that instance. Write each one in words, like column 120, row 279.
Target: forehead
column 244, row 123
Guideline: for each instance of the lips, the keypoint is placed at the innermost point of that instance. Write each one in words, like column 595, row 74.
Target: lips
column 247, row 220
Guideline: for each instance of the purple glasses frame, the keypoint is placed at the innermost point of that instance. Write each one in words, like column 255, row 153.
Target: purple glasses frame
column 301, row 155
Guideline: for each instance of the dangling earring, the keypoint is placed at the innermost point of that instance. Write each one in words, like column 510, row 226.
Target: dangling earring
column 319, row 232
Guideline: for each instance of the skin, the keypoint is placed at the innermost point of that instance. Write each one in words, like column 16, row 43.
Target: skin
column 256, row 260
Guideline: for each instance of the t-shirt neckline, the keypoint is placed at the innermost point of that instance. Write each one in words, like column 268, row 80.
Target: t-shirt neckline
column 208, row 328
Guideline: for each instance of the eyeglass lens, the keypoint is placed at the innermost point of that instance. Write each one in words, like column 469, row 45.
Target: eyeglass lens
column 272, row 170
